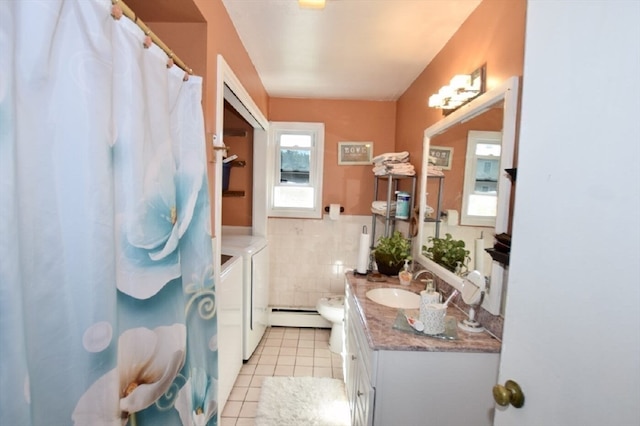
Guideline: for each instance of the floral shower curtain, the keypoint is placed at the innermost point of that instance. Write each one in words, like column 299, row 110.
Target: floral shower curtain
column 107, row 299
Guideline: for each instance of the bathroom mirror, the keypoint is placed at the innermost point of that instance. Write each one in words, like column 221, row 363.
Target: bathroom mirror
column 479, row 123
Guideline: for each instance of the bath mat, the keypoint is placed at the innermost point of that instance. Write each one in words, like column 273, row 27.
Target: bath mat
column 296, row 401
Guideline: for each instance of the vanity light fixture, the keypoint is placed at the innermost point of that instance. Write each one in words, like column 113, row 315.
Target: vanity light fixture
column 461, row 89
column 311, row 4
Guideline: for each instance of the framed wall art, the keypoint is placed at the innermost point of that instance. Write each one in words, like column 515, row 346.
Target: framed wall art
column 353, row 153
column 442, row 156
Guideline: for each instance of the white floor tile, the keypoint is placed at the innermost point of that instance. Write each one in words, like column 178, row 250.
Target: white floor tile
column 284, row 351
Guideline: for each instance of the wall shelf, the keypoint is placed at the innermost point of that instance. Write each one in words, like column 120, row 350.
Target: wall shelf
column 225, row 178
column 498, row 256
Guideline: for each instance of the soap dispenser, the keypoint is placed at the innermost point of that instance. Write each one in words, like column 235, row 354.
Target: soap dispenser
column 432, row 296
column 404, row 275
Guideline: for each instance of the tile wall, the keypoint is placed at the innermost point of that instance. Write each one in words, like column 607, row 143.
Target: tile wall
column 308, row 258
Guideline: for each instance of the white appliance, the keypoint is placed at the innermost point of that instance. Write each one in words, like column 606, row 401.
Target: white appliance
column 229, row 296
column 255, row 298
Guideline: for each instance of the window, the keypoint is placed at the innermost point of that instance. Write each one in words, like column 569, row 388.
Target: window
column 480, row 194
column 296, row 177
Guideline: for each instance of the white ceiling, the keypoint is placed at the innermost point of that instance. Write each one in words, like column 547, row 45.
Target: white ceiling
column 352, row 49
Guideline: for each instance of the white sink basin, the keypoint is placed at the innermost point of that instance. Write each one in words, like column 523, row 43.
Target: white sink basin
column 394, row 298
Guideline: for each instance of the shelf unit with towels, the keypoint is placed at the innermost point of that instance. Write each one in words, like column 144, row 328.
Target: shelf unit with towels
column 437, row 219
column 389, row 217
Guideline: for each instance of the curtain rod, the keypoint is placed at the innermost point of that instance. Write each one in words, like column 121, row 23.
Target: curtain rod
column 126, row 10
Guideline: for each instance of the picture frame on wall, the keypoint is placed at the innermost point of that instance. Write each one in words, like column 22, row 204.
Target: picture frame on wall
column 442, row 155
column 354, row 153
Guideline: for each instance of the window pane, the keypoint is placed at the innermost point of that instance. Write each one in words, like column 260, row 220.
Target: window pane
column 482, row 205
column 487, row 171
column 294, row 166
column 295, row 141
column 293, row 196
column 488, row 150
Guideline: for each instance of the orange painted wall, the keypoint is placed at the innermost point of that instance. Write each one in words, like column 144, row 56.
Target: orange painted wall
column 188, row 40
column 356, row 121
column 198, row 44
column 492, row 35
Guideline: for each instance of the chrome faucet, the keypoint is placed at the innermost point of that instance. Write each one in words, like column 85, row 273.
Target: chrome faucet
column 424, row 271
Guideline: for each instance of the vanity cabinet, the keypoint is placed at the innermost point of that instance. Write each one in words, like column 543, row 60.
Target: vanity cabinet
column 413, row 386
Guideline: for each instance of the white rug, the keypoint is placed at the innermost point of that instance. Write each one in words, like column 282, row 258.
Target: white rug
column 302, row 401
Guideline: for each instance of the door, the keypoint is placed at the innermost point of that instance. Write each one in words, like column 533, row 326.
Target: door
column 571, row 336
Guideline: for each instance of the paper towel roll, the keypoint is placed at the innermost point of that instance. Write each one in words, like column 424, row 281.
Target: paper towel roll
column 334, row 211
column 363, row 254
column 478, row 256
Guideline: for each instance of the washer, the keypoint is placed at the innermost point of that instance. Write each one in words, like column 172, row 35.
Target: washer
column 255, row 254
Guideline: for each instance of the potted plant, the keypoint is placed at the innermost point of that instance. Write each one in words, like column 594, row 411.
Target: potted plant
column 391, row 252
column 448, row 252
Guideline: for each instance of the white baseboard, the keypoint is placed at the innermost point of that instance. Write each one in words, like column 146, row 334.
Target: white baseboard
column 296, row 317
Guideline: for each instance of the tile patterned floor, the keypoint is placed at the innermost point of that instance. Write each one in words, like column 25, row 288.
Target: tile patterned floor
column 283, row 351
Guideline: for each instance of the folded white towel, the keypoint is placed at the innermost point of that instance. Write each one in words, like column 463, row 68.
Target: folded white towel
column 382, row 205
column 405, row 169
column 391, row 156
column 434, row 171
column 383, row 212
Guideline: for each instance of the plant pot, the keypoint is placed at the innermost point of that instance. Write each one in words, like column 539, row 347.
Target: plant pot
column 382, row 261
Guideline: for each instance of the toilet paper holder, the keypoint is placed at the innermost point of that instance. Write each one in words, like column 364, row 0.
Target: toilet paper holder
column 326, row 209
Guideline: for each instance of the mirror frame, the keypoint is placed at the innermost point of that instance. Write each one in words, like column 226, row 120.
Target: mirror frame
column 507, row 92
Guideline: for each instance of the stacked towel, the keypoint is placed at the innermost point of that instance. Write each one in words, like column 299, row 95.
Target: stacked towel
column 393, row 163
column 380, row 207
column 398, row 157
column 434, row 171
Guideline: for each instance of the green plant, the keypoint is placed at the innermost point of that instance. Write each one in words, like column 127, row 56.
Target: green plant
column 448, row 252
column 394, row 249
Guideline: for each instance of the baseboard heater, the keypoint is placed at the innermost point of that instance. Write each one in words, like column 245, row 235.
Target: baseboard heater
column 296, row 317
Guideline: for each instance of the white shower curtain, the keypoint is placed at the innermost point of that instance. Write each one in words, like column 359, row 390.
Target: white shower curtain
column 107, row 299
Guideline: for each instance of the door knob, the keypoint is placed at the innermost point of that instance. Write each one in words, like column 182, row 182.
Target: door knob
column 510, row 393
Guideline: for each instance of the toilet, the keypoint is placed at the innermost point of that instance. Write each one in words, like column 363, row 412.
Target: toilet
column 332, row 309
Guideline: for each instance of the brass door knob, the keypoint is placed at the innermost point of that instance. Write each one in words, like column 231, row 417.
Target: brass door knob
column 510, row 393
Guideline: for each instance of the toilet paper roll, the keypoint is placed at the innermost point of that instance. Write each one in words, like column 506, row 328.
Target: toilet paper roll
column 452, row 217
column 363, row 254
column 334, row 211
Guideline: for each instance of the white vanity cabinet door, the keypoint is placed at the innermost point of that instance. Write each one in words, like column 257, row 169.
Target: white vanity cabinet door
column 363, row 400
column 357, row 361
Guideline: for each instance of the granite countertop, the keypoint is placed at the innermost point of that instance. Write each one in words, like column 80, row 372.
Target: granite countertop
column 379, row 320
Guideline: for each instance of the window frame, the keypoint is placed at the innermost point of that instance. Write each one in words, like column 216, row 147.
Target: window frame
column 475, row 137
column 316, row 163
